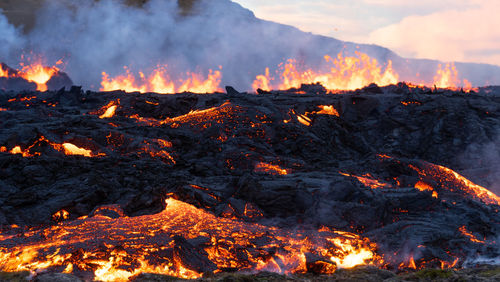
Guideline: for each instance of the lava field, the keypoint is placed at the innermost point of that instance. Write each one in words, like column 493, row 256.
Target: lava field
column 109, row 185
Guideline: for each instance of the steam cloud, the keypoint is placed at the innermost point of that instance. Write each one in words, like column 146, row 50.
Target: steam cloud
column 107, row 35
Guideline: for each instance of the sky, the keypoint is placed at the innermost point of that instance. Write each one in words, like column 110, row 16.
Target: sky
column 447, row 30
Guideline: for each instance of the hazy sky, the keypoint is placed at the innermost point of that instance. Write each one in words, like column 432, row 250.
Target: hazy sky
column 449, row 30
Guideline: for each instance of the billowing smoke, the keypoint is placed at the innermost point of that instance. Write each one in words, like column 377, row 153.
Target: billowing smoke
column 95, row 36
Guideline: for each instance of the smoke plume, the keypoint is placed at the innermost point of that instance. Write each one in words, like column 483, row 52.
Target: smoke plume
column 92, row 37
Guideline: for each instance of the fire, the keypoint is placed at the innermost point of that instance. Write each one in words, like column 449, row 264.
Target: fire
column 422, row 186
column 159, row 81
column 450, row 178
column 271, row 169
column 447, row 77
column 70, row 149
column 346, row 73
column 119, row 248
column 35, row 72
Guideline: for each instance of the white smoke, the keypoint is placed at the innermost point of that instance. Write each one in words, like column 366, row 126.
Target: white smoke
column 483, row 163
column 95, row 36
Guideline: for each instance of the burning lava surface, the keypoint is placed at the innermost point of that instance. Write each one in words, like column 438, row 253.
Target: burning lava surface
column 109, row 185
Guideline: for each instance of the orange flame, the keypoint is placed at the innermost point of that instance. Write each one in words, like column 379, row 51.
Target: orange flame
column 422, row 186
column 346, row 73
column 34, row 72
column 159, row 81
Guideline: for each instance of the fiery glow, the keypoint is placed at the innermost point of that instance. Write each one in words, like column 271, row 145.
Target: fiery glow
column 422, row 186
column 271, row 169
column 34, row 72
column 345, row 73
column 65, row 148
column 116, row 249
column 469, row 235
column 447, row 77
column 110, row 109
column 159, row 81
column 327, row 110
column 449, row 178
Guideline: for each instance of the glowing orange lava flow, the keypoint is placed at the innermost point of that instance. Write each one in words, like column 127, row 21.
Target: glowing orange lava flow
column 34, row 72
column 159, row 81
column 450, row 179
column 345, row 73
column 181, row 241
column 270, row 169
column 66, row 148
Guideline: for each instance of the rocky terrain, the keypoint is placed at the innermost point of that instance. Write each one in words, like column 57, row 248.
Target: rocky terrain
column 379, row 162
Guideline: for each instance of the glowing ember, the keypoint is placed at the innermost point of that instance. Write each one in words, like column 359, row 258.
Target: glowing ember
column 116, row 249
column 346, row 73
column 159, row 81
column 450, row 178
column 270, row 168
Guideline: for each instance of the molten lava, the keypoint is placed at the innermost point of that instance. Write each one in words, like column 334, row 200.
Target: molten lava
column 159, row 81
column 65, row 148
column 270, row 169
column 181, row 241
column 345, row 73
column 35, row 72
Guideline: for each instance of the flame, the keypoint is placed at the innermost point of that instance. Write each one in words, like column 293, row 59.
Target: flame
column 159, row 81
column 270, row 168
column 346, row 73
column 117, row 249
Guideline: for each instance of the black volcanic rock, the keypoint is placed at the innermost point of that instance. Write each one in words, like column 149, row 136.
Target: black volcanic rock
column 375, row 168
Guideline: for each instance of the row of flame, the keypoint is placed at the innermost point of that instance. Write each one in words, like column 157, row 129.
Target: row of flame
column 345, row 73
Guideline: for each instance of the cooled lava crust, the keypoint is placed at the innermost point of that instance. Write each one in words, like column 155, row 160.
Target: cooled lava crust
column 109, row 185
